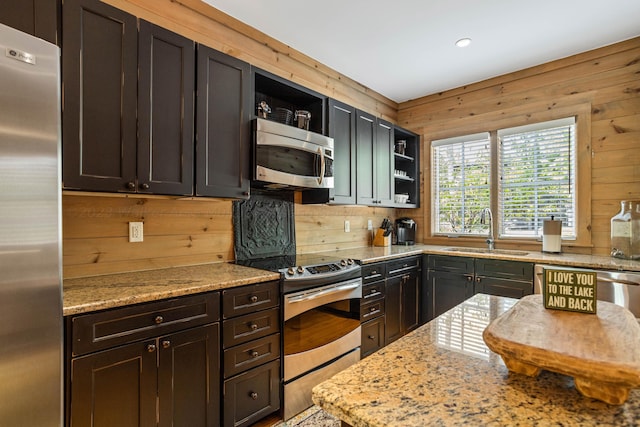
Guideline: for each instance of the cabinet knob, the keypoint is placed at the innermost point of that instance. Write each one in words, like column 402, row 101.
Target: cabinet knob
column 158, row 319
column 254, row 354
column 478, row 279
column 372, row 309
column 131, row 185
column 144, row 186
column 254, row 395
column 253, row 299
column 245, row 193
column 166, row 344
column 151, row 348
column 469, row 277
column 372, row 337
column 253, row 326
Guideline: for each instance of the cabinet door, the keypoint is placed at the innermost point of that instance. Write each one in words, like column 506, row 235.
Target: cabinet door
column 100, row 70
column 189, row 378
column 36, row 17
column 223, row 130
column 365, row 168
column 393, row 309
column 410, row 301
column 342, row 128
column 384, row 183
column 447, row 290
column 166, row 82
column 115, row 387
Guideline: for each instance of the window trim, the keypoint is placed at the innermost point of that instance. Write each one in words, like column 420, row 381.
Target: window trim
column 582, row 113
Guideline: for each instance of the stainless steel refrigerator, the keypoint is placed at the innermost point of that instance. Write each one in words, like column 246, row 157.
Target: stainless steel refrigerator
column 30, row 232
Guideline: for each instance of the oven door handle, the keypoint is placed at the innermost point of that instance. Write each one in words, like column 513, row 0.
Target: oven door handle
column 312, row 295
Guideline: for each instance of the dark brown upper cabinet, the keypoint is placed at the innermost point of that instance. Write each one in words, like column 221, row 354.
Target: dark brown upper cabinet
column 223, row 125
column 36, row 17
column 374, row 162
column 342, row 128
column 102, row 57
column 100, row 67
column 166, row 73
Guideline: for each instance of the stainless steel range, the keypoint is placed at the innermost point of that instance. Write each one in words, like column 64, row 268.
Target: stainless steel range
column 321, row 314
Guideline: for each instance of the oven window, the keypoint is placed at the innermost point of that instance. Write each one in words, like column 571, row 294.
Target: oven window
column 320, row 326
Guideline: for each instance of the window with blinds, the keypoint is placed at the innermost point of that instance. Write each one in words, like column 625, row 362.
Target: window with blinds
column 461, row 168
column 537, row 178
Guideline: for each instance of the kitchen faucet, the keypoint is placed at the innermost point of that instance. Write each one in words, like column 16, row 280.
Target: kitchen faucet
column 483, row 220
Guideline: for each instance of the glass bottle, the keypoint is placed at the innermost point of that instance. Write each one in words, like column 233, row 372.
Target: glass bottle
column 623, row 226
column 635, row 229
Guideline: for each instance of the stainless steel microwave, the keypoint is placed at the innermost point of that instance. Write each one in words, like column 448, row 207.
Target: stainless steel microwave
column 289, row 157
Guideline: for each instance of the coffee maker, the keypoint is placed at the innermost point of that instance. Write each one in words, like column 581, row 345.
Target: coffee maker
column 405, row 231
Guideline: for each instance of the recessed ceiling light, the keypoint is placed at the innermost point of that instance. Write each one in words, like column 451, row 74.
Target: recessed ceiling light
column 463, row 42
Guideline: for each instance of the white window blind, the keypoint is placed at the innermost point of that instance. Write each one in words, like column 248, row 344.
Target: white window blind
column 537, row 178
column 461, row 189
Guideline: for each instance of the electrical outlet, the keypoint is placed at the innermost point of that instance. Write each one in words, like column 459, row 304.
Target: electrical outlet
column 369, row 225
column 347, row 226
column 136, row 232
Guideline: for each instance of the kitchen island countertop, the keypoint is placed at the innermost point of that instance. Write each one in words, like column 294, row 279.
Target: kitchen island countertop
column 443, row 374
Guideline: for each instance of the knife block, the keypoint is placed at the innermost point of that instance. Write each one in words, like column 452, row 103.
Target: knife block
column 380, row 239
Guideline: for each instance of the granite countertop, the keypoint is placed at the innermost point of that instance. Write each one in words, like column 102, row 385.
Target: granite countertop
column 371, row 254
column 114, row 290
column 87, row 294
column 443, row 374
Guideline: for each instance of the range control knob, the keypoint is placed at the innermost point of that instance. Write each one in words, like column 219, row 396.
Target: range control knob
column 350, row 261
column 343, row 262
column 291, row 271
column 300, row 269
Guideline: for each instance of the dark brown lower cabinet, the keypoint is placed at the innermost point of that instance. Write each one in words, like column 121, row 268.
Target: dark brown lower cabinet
column 372, row 336
column 401, row 305
column 122, row 386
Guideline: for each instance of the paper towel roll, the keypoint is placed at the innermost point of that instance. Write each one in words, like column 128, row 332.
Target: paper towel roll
column 551, row 236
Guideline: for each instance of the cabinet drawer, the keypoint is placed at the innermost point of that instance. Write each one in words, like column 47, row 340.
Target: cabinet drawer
column 251, row 354
column 450, row 263
column 250, row 326
column 372, row 336
column 247, row 299
column 403, row 265
column 373, row 291
column 251, row 395
column 372, row 309
column 101, row 330
column 373, row 272
column 513, row 270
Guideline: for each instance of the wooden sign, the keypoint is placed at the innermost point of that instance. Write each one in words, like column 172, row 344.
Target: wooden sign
column 570, row 290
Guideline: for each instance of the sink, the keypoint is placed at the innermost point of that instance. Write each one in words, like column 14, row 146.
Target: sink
column 487, row 251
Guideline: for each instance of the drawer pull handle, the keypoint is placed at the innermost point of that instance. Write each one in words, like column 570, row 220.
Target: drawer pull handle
column 151, row 348
column 159, row 319
column 372, row 337
column 253, row 326
column 254, row 299
column 254, row 395
column 254, row 354
column 166, row 344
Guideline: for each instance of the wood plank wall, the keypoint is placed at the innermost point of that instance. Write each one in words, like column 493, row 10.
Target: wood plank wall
column 607, row 78
column 184, row 232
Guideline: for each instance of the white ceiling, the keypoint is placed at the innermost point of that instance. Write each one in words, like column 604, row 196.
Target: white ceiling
column 404, row 49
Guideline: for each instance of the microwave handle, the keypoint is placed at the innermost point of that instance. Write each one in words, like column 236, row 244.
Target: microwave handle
column 322, row 166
